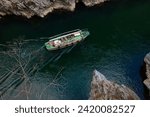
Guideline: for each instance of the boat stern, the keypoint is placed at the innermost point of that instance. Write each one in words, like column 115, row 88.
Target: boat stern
column 48, row 46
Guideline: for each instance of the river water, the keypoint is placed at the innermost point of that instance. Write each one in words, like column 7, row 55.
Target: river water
column 118, row 42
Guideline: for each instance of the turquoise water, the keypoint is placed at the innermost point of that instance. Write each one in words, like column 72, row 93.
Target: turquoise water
column 118, row 42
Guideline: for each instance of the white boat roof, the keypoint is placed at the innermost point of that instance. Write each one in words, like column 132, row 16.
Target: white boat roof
column 76, row 33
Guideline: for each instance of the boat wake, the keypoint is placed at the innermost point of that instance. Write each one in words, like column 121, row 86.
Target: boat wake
column 21, row 60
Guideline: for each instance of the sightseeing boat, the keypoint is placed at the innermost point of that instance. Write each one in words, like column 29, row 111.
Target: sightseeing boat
column 66, row 39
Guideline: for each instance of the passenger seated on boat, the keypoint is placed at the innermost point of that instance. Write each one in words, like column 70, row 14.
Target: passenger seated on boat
column 51, row 43
column 57, row 42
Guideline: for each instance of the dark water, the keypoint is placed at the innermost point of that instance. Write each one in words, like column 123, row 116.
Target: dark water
column 119, row 40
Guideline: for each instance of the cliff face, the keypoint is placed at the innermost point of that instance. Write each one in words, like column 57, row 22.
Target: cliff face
column 147, row 61
column 29, row 8
column 102, row 89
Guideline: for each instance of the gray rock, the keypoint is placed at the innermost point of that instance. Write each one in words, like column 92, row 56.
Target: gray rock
column 147, row 61
column 29, row 8
column 93, row 2
column 102, row 89
column 147, row 83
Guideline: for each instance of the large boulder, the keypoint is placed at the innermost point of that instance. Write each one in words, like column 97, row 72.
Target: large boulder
column 103, row 89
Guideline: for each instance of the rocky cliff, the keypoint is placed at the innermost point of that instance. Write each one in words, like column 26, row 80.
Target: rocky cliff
column 92, row 2
column 147, row 81
column 102, row 89
column 29, row 8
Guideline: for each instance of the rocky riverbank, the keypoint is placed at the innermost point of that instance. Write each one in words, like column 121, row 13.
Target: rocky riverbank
column 29, row 8
column 147, row 81
column 102, row 89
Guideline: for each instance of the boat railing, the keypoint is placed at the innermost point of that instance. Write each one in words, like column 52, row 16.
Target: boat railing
column 61, row 34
